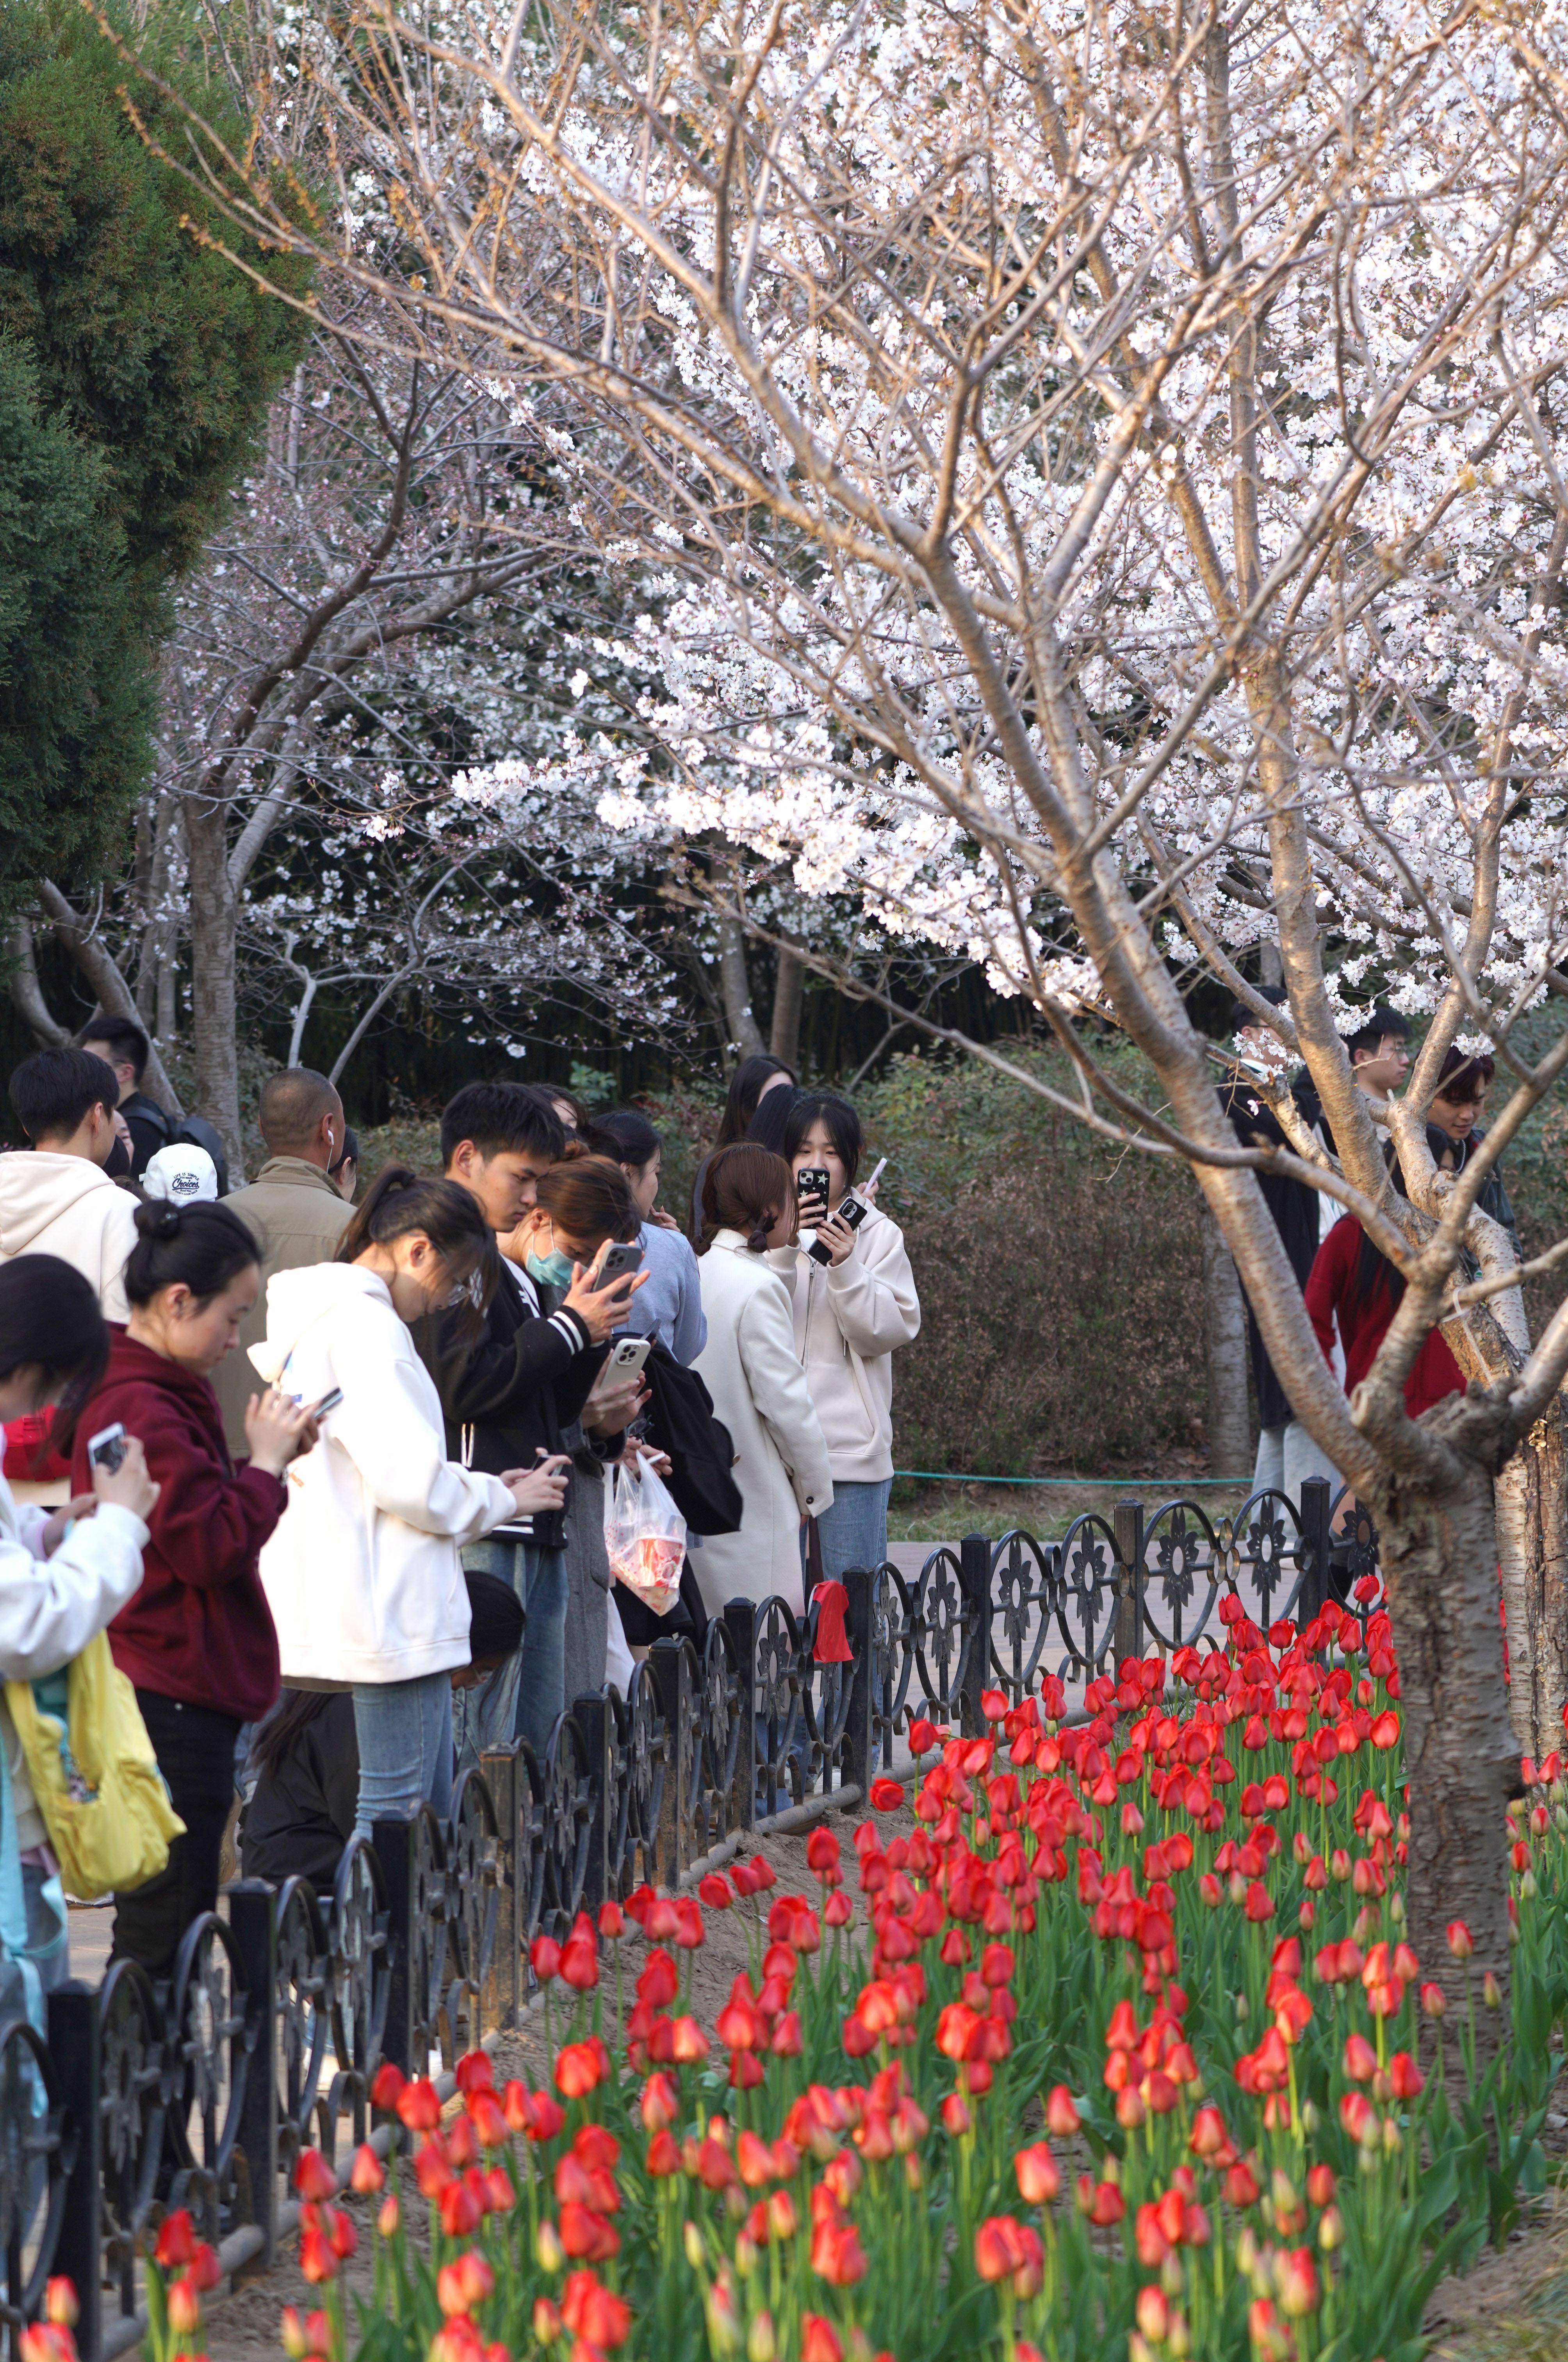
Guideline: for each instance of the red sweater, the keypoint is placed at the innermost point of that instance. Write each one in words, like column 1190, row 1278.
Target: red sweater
column 1365, row 1322
column 200, row 1629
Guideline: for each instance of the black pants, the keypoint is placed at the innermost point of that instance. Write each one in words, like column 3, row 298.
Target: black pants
column 194, row 1746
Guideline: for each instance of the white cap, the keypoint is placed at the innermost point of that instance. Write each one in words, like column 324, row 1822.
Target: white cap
column 182, row 1173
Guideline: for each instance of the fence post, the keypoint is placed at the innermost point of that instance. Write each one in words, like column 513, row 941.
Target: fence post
column 974, row 1589
column 499, row 1999
column 740, row 1623
column 673, row 1680
column 394, row 1844
column 254, row 1925
column 75, row 2046
column 858, row 1763
column 1316, row 1497
column 592, row 1716
column 1128, row 1525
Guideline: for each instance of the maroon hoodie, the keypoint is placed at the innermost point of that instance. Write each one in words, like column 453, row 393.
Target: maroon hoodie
column 200, row 1629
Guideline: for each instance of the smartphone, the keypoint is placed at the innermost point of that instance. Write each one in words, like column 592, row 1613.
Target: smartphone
column 810, row 1182
column 852, row 1209
column 618, row 1261
column 107, row 1448
column 328, row 1402
column 628, row 1356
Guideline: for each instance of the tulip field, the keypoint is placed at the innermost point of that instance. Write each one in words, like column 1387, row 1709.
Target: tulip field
column 1120, row 2051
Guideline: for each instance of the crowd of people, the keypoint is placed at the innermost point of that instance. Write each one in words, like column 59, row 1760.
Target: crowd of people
column 1352, row 1290
column 331, row 1465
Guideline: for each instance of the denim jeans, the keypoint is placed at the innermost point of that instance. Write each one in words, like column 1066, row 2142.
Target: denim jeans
column 853, row 1532
column 524, row 1698
column 404, row 1730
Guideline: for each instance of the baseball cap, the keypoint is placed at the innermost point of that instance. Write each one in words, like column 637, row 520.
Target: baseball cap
column 182, row 1173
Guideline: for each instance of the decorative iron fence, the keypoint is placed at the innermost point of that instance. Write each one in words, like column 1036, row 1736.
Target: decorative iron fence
column 269, row 2033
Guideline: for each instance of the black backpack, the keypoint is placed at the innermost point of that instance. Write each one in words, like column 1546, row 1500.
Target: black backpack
column 189, row 1132
column 680, row 1420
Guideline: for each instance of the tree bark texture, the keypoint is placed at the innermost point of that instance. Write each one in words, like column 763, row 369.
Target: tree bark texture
column 97, row 963
column 789, row 991
column 1532, row 1552
column 214, row 920
column 1225, row 1356
column 1439, row 1566
column 736, row 987
column 27, row 992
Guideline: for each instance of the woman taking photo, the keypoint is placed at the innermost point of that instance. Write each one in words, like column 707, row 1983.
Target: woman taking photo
column 197, row 1640
column 363, row 1575
column 754, row 1079
column 669, row 1307
column 62, row 1575
column 758, row 1388
column 851, row 1315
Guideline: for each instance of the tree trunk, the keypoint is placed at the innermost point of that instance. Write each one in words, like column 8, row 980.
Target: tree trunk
column 784, row 1035
column 1439, row 1558
column 27, row 992
column 1532, row 1555
column 99, row 966
column 214, row 926
column 1225, row 1356
column 744, row 1031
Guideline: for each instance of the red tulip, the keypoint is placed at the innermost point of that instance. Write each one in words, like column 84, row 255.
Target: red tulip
column 389, row 2083
column 818, row 2340
column 544, row 1958
column 1459, row 1941
column 317, row 2261
column 1061, row 2116
column 716, row 1892
column 594, row 2312
column 418, row 2106
column 577, row 2071
column 1039, row 2177
column 176, row 2241
column 886, row 1795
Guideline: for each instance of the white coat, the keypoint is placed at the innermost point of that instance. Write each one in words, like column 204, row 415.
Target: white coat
column 67, row 1206
column 849, row 1317
column 50, row 1608
column 750, row 1367
column 362, row 1572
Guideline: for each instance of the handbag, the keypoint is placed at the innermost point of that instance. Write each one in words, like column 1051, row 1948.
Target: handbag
column 93, row 1774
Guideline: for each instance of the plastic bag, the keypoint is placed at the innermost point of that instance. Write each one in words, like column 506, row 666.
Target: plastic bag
column 644, row 1536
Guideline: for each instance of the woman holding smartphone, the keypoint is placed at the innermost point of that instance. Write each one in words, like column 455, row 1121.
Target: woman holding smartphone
column 363, row 1574
column 855, row 1303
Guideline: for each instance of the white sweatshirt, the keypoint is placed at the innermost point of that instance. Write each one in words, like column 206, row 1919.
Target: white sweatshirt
column 68, row 1206
column 362, row 1572
column 849, row 1317
column 50, row 1608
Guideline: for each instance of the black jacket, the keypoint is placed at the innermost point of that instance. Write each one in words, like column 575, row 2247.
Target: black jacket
column 680, row 1419
column 1295, row 1208
column 301, row 1815
column 514, row 1393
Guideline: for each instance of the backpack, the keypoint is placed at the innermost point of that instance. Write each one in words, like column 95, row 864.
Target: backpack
column 189, row 1132
column 681, row 1421
column 93, row 1774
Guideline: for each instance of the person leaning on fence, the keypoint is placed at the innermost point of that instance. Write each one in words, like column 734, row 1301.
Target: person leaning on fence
column 363, row 1574
column 759, row 1390
column 851, row 1314
column 62, row 1575
column 197, row 1640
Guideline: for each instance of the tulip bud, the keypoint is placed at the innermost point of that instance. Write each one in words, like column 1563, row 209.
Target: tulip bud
column 1331, row 2230
column 60, row 2302
column 1310, row 2118
column 1391, row 2135
column 387, row 2221
column 1490, row 1993
column 761, row 2346
column 547, row 2249
column 1153, row 2314
column 1241, row 2011
column 184, row 2308
column 1246, row 2251
column 291, row 2334
column 546, row 2320
column 1172, row 2277
column 1179, row 2338
column 1397, row 1908
column 1527, row 1886
column 691, row 2239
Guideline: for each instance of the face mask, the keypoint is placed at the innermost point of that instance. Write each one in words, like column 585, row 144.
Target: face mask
column 553, row 1270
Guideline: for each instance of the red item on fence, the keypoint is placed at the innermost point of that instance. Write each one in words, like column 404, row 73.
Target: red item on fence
column 831, row 1600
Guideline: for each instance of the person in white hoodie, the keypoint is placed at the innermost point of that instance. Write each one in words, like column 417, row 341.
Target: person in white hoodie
column 57, row 1198
column 851, row 1314
column 750, row 1369
column 62, row 1575
column 362, row 1575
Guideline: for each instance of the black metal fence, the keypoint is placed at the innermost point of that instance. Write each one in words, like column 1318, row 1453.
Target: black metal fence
column 270, row 2034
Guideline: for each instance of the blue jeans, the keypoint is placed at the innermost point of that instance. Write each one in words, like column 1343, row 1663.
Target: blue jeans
column 404, row 1730
column 524, row 1700
column 853, row 1532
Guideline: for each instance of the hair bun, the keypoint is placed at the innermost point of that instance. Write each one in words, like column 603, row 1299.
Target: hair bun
column 158, row 1217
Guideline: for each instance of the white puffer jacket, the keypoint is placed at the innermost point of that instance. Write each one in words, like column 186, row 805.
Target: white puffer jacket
column 849, row 1319
column 362, row 1574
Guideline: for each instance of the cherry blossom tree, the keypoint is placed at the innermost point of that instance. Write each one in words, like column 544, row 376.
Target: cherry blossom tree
column 1089, row 483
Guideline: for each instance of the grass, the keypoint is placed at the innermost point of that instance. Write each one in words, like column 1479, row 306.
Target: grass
column 940, row 1513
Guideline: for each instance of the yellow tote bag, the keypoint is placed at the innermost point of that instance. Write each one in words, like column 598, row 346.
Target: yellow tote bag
column 93, row 1773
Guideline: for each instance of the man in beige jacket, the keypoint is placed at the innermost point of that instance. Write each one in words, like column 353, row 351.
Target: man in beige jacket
column 56, row 1199
column 294, row 1210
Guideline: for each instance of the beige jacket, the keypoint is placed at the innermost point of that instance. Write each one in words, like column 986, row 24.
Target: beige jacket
column 750, row 1367
column 298, row 1218
column 848, row 1320
column 65, row 1206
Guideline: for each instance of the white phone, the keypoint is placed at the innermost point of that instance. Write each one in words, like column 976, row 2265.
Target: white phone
column 627, row 1357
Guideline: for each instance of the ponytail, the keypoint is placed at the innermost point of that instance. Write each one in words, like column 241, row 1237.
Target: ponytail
column 745, row 1189
column 399, row 1202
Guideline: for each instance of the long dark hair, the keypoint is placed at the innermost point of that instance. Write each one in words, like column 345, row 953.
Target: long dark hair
column 842, row 1123
column 50, row 1318
column 201, row 1247
column 294, row 1712
column 625, row 1134
column 745, row 1189
column 747, row 1084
